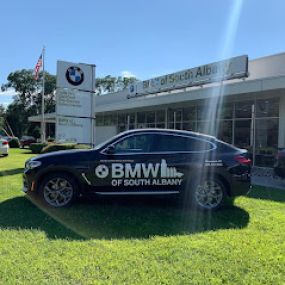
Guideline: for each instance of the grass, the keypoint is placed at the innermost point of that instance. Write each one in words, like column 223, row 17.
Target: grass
column 138, row 241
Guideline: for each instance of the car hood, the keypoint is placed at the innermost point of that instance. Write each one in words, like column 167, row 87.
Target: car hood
column 64, row 154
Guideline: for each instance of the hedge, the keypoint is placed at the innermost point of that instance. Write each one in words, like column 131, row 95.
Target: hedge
column 66, row 146
column 14, row 143
column 37, row 147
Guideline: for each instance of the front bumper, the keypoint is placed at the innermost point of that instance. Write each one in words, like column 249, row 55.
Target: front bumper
column 29, row 181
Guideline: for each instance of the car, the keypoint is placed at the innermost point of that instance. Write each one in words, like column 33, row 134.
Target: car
column 279, row 165
column 200, row 169
column 4, row 147
column 26, row 141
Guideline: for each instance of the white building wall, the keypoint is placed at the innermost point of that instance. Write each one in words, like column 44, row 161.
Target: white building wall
column 103, row 133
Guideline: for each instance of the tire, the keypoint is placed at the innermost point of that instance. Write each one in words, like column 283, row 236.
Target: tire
column 58, row 190
column 208, row 194
column 6, row 154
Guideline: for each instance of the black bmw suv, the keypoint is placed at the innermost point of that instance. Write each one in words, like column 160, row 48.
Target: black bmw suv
column 199, row 168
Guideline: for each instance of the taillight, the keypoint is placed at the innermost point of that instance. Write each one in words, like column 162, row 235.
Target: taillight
column 4, row 143
column 242, row 160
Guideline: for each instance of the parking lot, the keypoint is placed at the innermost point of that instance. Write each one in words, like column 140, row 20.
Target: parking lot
column 138, row 242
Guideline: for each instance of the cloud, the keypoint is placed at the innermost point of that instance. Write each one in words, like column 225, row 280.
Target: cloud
column 127, row 74
column 6, row 97
column 9, row 92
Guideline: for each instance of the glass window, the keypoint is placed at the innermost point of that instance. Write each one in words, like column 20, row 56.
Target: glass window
column 267, row 108
column 225, row 131
column 170, row 114
column 121, row 119
column 110, row 120
column 266, row 133
column 141, row 117
column 189, row 126
column 169, row 143
column 266, row 141
column 189, row 114
column 204, row 127
column 242, row 133
column 160, row 125
column 226, row 111
column 99, row 120
column 160, row 116
column 243, row 109
column 132, row 118
column 150, row 117
column 139, row 143
column 202, row 112
column 121, row 128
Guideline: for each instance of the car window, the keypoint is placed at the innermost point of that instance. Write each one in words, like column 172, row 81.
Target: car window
column 135, row 144
column 167, row 143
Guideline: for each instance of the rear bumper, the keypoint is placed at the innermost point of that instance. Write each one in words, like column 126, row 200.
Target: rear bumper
column 240, row 184
column 4, row 150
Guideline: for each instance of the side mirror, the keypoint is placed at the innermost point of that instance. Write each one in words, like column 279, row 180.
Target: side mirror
column 110, row 149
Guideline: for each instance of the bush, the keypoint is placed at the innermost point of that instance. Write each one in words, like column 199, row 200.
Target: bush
column 37, row 147
column 14, row 143
column 65, row 146
column 51, row 140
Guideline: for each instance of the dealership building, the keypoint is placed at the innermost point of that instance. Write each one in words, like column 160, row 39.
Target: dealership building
column 250, row 111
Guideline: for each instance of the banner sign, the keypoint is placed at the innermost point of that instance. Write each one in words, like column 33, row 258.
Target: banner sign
column 236, row 67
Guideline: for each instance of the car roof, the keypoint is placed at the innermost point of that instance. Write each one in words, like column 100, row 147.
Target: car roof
column 167, row 131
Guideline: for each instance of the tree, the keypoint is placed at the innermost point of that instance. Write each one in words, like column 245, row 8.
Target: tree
column 110, row 83
column 27, row 102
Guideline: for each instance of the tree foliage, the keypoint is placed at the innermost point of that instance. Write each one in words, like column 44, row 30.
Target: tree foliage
column 110, row 83
column 27, row 102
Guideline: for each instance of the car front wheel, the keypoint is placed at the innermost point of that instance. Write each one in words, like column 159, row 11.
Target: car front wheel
column 58, row 190
column 209, row 194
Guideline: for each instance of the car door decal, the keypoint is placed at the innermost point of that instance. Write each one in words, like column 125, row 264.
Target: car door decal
column 140, row 174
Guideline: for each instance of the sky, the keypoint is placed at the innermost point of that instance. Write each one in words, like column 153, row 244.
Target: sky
column 144, row 38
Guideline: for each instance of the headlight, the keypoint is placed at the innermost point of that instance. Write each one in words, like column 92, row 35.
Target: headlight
column 32, row 164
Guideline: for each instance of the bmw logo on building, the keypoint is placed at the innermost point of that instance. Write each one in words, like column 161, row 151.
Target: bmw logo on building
column 74, row 75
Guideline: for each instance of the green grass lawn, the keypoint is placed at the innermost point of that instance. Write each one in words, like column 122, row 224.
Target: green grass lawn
column 138, row 241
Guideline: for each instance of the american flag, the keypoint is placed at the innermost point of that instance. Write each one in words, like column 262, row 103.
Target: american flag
column 38, row 67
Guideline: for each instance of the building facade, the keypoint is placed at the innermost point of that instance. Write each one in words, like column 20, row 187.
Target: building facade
column 249, row 112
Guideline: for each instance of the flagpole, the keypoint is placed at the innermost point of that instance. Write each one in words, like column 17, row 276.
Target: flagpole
column 43, row 139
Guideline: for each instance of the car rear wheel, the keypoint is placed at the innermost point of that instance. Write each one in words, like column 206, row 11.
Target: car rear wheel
column 58, row 190
column 209, row 194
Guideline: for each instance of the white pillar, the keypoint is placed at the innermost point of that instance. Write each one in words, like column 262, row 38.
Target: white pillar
column 281, row 131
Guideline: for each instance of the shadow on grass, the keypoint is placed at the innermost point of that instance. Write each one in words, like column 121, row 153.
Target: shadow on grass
column 19, row 213
column 273, row 194
column 11, row 171
column 116, row 218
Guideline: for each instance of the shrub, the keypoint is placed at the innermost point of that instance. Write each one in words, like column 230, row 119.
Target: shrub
column 14, row 143
column 64, row 146
column 51, row 140
column 37, row 147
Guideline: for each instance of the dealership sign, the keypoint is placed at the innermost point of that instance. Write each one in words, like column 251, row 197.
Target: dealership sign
column 73, row 129
column 75, row 102
column 75, row 75
column 232, row 68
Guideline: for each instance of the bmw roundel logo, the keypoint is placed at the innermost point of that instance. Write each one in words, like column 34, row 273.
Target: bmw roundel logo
column 102, row 171
column 74, row 75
